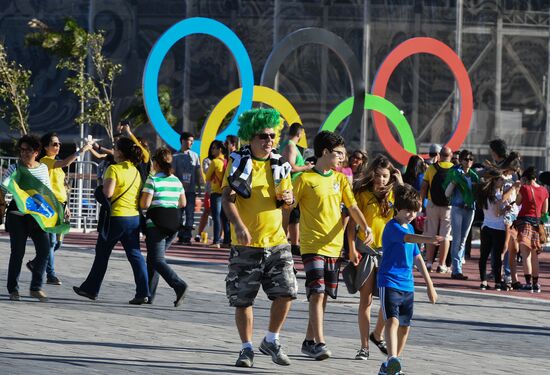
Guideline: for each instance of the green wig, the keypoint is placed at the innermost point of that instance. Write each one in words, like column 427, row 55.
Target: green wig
column 253, row 121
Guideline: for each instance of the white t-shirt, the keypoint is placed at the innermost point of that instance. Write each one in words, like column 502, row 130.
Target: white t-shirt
column 491, row 220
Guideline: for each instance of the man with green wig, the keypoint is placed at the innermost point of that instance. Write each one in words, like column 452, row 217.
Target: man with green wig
column 256, row 187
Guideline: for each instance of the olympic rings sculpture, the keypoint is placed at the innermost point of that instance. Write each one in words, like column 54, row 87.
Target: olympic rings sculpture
column 350, row 109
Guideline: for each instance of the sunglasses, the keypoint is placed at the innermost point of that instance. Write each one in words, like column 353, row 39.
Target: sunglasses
column 468, row 159
column 266, row 136
column 56, row 144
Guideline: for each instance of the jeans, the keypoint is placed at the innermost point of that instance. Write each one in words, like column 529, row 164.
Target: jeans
column 492, row 242
column 126, row 230
column 55, row 244
column 20, row 228
column 461, row 222
column 188, row 213
column 219, row 218
column 157, row 244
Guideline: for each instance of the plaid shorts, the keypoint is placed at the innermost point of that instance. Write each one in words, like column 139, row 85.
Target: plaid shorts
column 250, row 267
column 322, row 274
column 528, row 235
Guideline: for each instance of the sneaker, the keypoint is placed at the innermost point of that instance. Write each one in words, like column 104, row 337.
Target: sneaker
column 459, row 276
column 379, row 344
column 276, row 352
column 383, row 369
column 527, row 287
column 14, row 296
column 536, row 288
column 442, row 269
column 54, row 280
column 498, row 287
column 30, row 265
column 484, row 287
column 197, row 238
column 394, row 366
column 215, row 246
column 516, row 286
column 318, row 351
column 246, row 358
column 40, row 294
column 307, row 347
column 363, row 354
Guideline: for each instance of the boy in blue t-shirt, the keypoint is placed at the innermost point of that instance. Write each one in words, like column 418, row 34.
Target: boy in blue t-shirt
column 395, row 274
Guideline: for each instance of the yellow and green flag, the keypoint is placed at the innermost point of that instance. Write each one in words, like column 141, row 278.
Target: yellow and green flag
column 34, row 198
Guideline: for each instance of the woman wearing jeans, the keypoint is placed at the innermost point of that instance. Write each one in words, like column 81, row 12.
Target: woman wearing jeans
column 21, row 226
column 460, row 188
column 493, row 229
column 51, row 145
column 122, row 184
column 162, row 196
column 214, row 175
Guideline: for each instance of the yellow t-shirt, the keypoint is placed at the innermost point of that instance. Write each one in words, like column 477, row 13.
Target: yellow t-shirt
column 214, row 174
column 259, row 213
column 320, row 198
column 123, row 174
column 370, row 207
column 430, row 173
column 57, row 179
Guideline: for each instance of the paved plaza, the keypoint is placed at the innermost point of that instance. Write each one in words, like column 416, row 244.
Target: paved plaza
column 464, row 333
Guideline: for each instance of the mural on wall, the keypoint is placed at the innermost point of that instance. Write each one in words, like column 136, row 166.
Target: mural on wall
column 350, row 109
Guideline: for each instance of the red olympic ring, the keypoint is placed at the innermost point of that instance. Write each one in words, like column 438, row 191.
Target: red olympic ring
column 445, row 53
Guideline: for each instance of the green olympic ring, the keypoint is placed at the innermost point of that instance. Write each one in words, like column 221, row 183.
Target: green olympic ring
column 378, row 104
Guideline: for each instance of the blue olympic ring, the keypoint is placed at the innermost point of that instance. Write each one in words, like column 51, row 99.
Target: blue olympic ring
column 180, row 30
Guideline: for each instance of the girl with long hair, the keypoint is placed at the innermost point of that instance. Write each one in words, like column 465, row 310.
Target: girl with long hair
column 533, row 199
column 414, row 173
column 510, row 171
column 374, row 194
column 493, row 229
column 163, row 197
column 122, row 185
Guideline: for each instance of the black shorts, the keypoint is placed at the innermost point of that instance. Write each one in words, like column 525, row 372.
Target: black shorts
column 397, row 304
column 294, row 215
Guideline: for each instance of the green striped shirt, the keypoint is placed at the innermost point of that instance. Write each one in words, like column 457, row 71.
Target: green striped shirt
column 166, row 191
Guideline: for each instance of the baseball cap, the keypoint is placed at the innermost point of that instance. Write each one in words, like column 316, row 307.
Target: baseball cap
column 435, row 148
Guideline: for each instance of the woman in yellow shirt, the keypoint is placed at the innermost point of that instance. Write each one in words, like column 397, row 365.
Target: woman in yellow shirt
column 122, row 185
column 214, row 175
column 51, row 146
column 374, row 195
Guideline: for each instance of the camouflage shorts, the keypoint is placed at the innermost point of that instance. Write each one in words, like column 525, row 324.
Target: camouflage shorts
column 250, row 267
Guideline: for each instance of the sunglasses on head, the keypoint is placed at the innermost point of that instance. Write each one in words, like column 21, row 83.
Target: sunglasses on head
column 266, row 136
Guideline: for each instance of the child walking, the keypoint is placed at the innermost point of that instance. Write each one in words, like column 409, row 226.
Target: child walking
column 374, row 195
column 395, row 274
column 320, row 193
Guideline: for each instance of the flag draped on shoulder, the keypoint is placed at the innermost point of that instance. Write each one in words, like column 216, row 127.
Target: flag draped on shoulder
column 34, row 198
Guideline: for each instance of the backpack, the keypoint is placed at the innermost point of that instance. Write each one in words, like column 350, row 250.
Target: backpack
column 437, row 191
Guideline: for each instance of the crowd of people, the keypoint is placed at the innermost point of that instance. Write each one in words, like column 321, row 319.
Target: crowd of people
column 334, row 210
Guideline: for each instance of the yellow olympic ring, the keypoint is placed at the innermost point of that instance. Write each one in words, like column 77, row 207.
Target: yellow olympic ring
column 261, row 94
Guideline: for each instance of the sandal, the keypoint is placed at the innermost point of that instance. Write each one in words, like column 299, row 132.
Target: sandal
column 380, row 344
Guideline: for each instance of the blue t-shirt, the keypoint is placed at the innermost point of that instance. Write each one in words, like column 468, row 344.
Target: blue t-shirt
column 396, row 268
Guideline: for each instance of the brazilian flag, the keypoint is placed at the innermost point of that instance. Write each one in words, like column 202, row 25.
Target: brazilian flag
column 34, row 198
